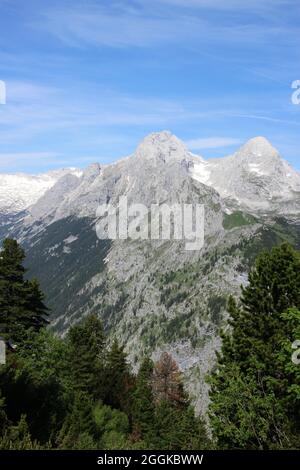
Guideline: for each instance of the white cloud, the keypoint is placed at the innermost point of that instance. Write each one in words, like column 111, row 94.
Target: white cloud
column 212, row 142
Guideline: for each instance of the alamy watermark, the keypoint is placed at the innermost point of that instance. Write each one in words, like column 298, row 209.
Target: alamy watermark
column 2, row 92
column 296, row 94
column 157, row 222
column 296, row 354
column 2, row 352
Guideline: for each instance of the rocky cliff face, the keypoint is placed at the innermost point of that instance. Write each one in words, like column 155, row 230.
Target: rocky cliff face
column 255, row 178
column 154, row 294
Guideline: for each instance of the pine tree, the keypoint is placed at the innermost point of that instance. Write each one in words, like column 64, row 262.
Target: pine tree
column 143, row 402
column 248, row 388
column 21, row 301
column 35, row 306
column 118, row 379
column 274, row 287
column 86, row 352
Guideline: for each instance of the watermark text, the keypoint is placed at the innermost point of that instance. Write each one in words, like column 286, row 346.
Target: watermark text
column 2, row 92
column 159, row 222
column 296, row 94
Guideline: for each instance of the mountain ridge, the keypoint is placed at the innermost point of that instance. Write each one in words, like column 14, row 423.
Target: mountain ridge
column 249, row 178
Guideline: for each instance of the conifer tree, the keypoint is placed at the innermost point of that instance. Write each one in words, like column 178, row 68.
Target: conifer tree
column 86, row 352
column 167, row 382
column 288, row 367
column 79, row 424
column 18, row 437
column 274, row 287
column 143, row 402
column 178, row 429
column 175, row 425
column 249, row 389
column 21, row 301
column 118, row 379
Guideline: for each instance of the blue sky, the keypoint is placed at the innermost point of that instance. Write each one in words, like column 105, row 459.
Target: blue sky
column 87, row 80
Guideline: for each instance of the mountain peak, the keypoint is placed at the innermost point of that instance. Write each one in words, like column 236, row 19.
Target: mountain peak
column 258, row 147
column 161, row 145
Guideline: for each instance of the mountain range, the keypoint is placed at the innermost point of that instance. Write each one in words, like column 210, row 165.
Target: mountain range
column 153, row 294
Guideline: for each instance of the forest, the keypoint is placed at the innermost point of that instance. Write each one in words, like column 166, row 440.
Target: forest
column 80, row 392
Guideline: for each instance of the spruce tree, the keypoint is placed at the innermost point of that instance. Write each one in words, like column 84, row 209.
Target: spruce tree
column 143, row 402
column 21, row 301
column 86, row 354
column 118, row 379
column 79, row 425
column 274, row 287
column 248, row 407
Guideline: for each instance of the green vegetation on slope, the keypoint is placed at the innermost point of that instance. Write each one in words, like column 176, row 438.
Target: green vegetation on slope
column 255, row 400
column 79, row 392
column 238, row 219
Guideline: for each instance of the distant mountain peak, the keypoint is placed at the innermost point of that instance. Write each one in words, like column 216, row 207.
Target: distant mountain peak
column 161, row 145
column 255, row 177
column 19, row 191
column 257, row 146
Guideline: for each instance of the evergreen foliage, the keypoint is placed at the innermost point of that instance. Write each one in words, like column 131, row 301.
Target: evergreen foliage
column 79, row 392
column 21, row 301
column 86, row 355
column 117, row 377
column 143, row 401
column 251, row 395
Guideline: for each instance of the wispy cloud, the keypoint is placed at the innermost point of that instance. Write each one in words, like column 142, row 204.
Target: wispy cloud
column 118, row 25
column 33, row 109
column 236, row 5
column 211, row 142
column 259, row 117
column 13, row 161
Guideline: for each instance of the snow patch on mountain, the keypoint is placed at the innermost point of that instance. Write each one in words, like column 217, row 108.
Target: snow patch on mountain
column 255, row 178
column 20, row 191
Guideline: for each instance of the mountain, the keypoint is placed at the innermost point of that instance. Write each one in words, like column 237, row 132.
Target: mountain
column 19, row 191
column 255, row 178
column 155, row 295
